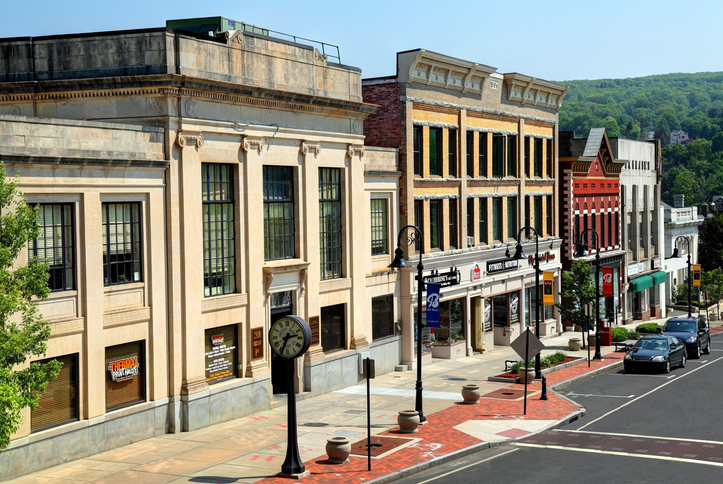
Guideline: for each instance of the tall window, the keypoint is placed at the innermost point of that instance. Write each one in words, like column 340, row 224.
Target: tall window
column 602, row 229
column 219, row 255
column 452, row 152
column 125, row 375
column 435, row 223
column 511, row 217
column 548, row 158
column 528, row 215
column 121, row 243
column 498, row 155
column 470, row 154
column 59, row 402
column 419, row 222
column 379, row 226
column 330, row 222
column 382, row 316
column 617, row 228
column 512, row 155
column 538, row 157
column 417, row 132
column 483, row 155
column 497, row 228
column 435, row 151
column 548, row 215
column 470, row 218
column 333, row 334
column 538, row 215
column 279, row 213
column 453, row 239
column 54, row 245
column 528, row 141
column 483, row 220
column 610, row 229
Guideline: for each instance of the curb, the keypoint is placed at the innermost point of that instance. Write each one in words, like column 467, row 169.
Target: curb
column 585, row 376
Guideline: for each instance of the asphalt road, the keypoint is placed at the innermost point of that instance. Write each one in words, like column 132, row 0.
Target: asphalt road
column 639, row 428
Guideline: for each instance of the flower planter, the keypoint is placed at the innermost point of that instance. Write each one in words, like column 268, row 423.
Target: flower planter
column 528, row 373
column 575, row 344
column 470, row 393
column 449, row 351
column 338, row 450
column 408, row 421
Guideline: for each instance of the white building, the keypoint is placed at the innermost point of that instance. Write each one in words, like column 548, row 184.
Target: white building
column 680, row 221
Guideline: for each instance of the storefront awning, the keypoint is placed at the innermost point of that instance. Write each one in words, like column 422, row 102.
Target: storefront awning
column 646, row 282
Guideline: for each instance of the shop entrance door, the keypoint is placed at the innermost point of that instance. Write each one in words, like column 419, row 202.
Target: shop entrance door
column 279, row 365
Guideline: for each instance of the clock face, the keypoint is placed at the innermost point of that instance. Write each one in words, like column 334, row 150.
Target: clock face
column 290, row 337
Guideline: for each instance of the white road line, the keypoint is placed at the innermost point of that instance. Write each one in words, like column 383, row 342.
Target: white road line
column 467, row 466
column 713, row 349
column 625, row 454
column 602, row 396
column 646, row 394
column 635, row 436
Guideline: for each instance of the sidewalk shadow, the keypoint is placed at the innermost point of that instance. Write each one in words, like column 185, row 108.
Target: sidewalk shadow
column 221, row 480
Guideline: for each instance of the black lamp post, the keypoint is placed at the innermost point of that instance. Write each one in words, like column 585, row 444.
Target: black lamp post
column 582, row 252
column 676, row 255
column 519, row 255
column 399, row 263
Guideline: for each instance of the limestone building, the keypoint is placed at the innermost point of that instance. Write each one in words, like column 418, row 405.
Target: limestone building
column 478, row 157
column 193, row 189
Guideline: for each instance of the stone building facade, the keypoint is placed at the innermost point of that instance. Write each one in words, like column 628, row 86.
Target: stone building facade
column 478, row 160
column 680, row 222
column 204, row 186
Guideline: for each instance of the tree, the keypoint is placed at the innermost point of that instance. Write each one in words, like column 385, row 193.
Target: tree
column 712, row 283
column 23, row 331
column 710, row 245
column 577, row 292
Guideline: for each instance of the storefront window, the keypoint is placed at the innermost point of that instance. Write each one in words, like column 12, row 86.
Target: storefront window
column 220, row 353
column 125, row 375
column 59, row 402
column 546, row 311
column 332, row 328
column 505, row 309
column 451, row 318
column 382, row 317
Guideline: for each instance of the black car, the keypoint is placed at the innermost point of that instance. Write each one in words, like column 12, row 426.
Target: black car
column 691, row 331
column 655, row 353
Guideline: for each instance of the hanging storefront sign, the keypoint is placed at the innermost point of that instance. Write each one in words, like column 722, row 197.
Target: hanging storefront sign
column 548, row 297
column 495, row 266
column 433, row 305
column 445, row 279
column 696, row 275
column 607, row 279
column 476, row 274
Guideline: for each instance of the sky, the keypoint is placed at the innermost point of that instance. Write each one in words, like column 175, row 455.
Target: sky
column 556, row 40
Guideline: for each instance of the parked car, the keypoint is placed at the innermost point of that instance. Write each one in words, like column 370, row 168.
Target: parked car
column 656, row 353
column 691, row 331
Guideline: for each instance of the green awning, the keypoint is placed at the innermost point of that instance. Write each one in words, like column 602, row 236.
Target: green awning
column 641, row 283
column 659, row 277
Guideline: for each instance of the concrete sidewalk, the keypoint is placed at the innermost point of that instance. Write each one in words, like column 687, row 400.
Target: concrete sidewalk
column 252, row 449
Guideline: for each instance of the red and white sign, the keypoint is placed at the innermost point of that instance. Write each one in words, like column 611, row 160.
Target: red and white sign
column 476, row 273
column 217, row 339
column 607, row 278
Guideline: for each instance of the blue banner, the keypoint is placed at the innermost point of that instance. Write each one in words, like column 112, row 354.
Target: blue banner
column 433, row 305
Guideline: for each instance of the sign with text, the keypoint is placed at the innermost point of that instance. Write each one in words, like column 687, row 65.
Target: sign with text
column 125, row 369
column 696, row 275
column 257, row 343
column 548, row 296
column 544, row 257
column 476, row 274
column 495, row 266
column 433, row 305
column 607, row 279
column 445, row 279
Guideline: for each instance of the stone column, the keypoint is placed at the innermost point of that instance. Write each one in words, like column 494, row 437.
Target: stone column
column 462, row 150
column 357, row 248
column 156, row 270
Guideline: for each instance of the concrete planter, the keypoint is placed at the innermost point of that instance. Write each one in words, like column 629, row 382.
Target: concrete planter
column 470, row 393
column 408, row 421
column 449, row 351
column 575, row 344
column 338, row 450
column 528, row 373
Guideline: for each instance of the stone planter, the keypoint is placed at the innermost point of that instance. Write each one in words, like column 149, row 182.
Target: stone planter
column 338, row 450
column 408, row 421
column 470, row 393
column 575, row 344
column 449, row 351
column 528, row 373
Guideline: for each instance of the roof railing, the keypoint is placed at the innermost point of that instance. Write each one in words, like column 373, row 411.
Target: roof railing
column 331, row 51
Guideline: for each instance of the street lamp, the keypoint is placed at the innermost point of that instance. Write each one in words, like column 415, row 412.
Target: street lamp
column 519, row 255
column 399, row 263
column 676, row 255
column 582, row 252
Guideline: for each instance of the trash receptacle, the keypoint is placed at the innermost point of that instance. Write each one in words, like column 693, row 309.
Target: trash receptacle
column 606, row 337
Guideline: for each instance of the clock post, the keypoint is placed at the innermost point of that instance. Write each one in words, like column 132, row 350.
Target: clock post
column 293, row 466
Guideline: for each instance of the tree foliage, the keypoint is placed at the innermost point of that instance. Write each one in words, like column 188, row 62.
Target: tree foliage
column 577, row 292
column 712, row 283
column 710, row 244
column 23, row 331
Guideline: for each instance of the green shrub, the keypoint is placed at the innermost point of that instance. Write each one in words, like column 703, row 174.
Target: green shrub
column 648, row 328
column 633, row 335
column 514, row 368
column 621, row 334
column 545, row 362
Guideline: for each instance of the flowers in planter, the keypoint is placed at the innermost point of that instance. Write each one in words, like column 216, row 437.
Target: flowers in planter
column 545, row 361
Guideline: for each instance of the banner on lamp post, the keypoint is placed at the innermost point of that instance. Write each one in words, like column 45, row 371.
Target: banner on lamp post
column 607, row 278
column 696, row 275
column 433, row 304
column 548, row 297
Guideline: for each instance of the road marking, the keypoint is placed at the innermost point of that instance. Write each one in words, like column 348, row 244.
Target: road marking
column 625, row 454
column 713, row 349
column 603, row 396
column 475, row 371
column 646, row 394
column 467, row 466
column 616, row 434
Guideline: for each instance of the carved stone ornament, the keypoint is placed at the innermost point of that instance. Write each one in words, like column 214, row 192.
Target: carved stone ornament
column 235, row 37
column 250, row 143
column 183, row 139
column 302, row 277
column 313, row 147
column 268, row 279
column 355, row 150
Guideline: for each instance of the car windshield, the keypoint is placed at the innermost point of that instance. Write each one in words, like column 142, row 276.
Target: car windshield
column 653, row 344
column 682, row 326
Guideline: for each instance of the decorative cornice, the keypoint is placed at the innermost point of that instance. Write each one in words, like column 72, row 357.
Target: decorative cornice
column 433, row 124
column 528, row 90
column 124, row 317
column 224, row 302
column 234, row 37
column 306, row 147
column 447, row 72
column 492, row 130
column 334, row 285
column 475, row 109
column 250, row 143
column 355, row 150
column 68, row 326
column 186, row 138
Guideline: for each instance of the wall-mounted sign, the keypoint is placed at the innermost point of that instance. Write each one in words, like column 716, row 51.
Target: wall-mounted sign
column 632, row 269
column 544, row 257
column 514, row 308
column 607, row 280
column 656, row 264
column 476, row 274
column 696, row 275
column 445, row 279
column 257, row 343
column 125, row 369
column 503, row 265
column 315, row 330
column 548, row 296
column 220, row 353
column 433, row 305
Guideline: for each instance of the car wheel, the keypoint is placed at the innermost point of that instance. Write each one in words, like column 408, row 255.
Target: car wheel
column 683, row 361
column 696, row 352
column 707, row 348
column 667, row 366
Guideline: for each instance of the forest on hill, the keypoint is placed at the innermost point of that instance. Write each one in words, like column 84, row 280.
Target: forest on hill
column 662, row 104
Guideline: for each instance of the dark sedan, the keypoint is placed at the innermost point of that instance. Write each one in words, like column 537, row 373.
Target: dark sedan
column 656, row 353
column 691, row 331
